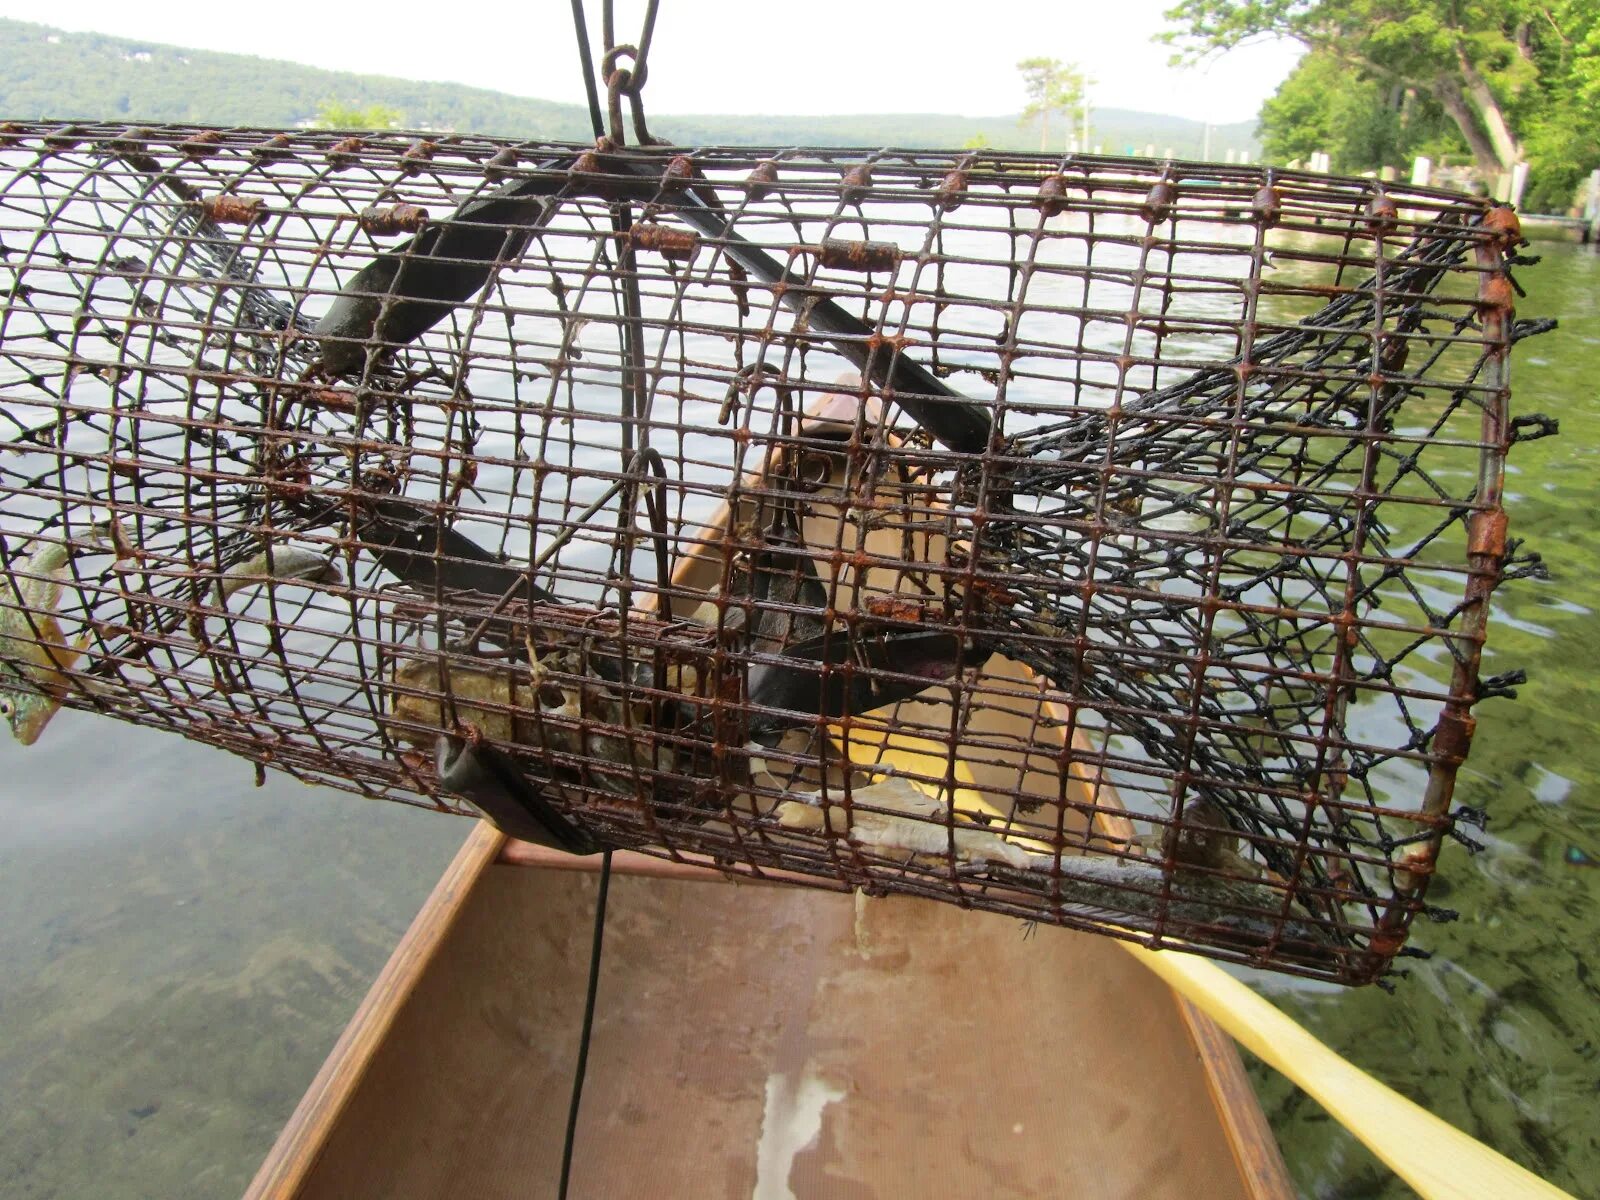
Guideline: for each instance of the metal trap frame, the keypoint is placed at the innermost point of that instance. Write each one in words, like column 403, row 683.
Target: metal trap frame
column 1106, row 542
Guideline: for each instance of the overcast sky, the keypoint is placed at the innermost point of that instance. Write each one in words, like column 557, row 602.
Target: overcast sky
column 725, row 56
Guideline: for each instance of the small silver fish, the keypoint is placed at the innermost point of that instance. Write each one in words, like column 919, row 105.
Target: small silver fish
column 34, row 682
column 287, row 563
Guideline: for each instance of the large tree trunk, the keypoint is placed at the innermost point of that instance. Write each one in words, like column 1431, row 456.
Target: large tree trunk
column 1448, row 92
column 1492, row 115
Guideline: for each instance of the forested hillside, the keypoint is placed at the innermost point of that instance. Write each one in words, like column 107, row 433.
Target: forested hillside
column 46, row 72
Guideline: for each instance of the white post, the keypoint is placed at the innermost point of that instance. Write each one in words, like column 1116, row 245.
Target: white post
column 1244, row 157
column 1205, row 147
column 1519, row 180
column 1421, row 171
column 1150, row 150
column 1591, row 209
column 1229, row 154
column 1167, row 153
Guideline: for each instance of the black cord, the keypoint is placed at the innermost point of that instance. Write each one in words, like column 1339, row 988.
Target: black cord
column 586, row 58
column 588, row 1021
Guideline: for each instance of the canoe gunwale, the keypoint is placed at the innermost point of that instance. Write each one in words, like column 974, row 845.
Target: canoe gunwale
column 294, row 1155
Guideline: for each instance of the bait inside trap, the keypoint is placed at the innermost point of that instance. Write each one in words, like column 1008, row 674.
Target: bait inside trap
column 1104, row 542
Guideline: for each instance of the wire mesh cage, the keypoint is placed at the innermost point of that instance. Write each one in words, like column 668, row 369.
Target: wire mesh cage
column 1104, row 542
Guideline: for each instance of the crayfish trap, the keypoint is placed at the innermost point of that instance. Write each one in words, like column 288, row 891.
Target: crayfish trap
column 1105, row 542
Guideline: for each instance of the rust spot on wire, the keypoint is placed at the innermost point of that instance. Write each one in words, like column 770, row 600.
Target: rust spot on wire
column 232, row 210
column 1495, row 293
column 343, row 152
column 1266, row 206
column 664, row 240
column 201, row 144
column 1159, row 201
column 858, row 256
column 274, row 149
column 759, row 182
column 1382, row 214
column 1502, row 221
column 952, row 190
column 393, row 219
column 500, row 164
column 418, row 155
column 854, row 183
column 1052, row 197
column 1452, row 738
column 679, row 173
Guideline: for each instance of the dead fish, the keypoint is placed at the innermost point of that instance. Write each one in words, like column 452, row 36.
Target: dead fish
column 581, row 719
column 1206, row 838
column 34, row 684
column 1112, row 890
column 912, row 823
column 281, row 564
column 493, row 701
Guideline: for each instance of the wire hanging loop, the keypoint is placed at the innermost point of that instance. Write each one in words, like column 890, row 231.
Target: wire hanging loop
column 626, row 81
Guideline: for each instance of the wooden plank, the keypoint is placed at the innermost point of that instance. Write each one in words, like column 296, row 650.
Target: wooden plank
column 295, row 1153
column 1255, row 1149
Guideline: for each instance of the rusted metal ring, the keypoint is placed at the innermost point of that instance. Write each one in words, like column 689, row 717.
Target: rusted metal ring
column 634, row 77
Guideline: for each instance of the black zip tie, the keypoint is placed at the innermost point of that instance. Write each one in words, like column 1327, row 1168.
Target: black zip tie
column 1473, row 846
column 1530, row 427
column 1532, row 327
column 1502, row 686
column 1514, row 564
column 1440, row 916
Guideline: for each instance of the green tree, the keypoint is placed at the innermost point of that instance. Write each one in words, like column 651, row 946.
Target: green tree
column 1052, row 86
column 1496, row 68
column 1361, row 123
column 333, row 115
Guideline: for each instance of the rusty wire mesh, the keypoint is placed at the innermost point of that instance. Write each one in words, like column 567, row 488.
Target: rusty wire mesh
column 1105, row 542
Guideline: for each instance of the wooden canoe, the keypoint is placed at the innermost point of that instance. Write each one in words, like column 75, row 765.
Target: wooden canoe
column 779, row 1042
column 771, row 1043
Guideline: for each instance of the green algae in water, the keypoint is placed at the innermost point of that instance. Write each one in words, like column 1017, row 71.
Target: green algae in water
column 181, row 951
column 1499, row 1033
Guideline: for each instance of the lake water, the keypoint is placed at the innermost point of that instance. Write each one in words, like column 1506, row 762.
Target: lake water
column 1500, row 1032
column 181, row 949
